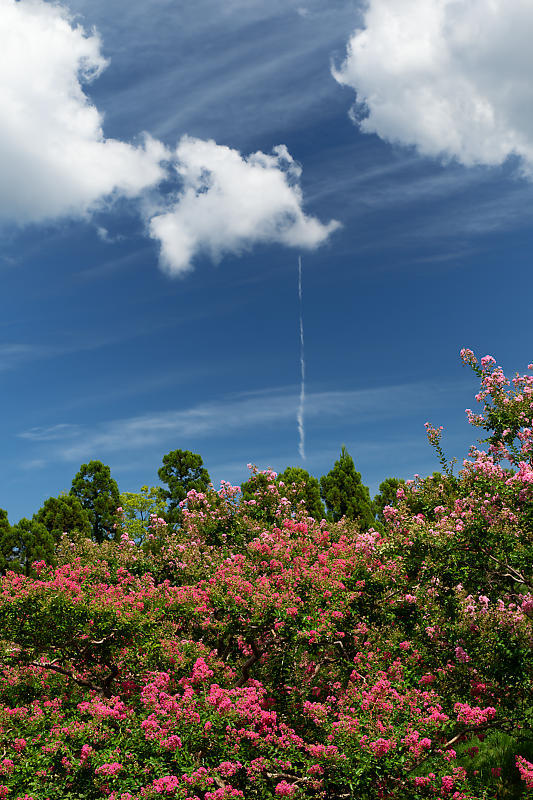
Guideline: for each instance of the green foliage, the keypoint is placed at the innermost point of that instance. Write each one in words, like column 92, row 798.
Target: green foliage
column 69, row 634
column 307, row 490
column 386, row 496
column 24, row 543
column 294, row 484
column 344, row 493
column 424, row 495
column 138, row 508
column 98, row 493
column 433, row 491
column 6, row 541
column 64, row 514
column 498, row 751
column 258, row 481
column 182, row 471
column 419, row 496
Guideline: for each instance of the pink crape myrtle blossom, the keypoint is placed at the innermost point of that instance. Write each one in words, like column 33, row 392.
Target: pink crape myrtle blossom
column 526, row 771
column 284, row 789
column 109, row 769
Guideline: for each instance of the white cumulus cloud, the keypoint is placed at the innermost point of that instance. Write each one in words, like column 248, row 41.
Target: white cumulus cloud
column 450, row 77
column 230, row 202
column 55, row 160
column 54, row 157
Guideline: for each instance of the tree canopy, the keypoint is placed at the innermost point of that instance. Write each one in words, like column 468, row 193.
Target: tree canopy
column 6, row 541
column 24, row 543
column 182, row 471
column 140, row 510
column 386, row 496
column 307, row 490
column 98, row 493
column 64, row 514
column 344, row 493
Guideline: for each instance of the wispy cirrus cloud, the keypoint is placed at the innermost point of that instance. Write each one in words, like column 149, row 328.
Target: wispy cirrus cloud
column 264, row 64
column 15, row 354
column 258, row 410
column 56, row 161
column 52, row 433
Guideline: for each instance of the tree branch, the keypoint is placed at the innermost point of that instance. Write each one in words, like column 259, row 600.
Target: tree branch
column 512, row 573
column 62, row 671
column 254, row 658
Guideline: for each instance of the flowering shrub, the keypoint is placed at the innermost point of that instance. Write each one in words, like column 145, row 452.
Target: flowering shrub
column 256, row 653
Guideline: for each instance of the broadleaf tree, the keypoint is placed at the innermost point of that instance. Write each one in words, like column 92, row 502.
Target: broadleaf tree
column 6, row 541
column 138, row 509
column 387, row 496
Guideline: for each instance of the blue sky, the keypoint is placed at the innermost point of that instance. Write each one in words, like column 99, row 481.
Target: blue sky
column 149, row 259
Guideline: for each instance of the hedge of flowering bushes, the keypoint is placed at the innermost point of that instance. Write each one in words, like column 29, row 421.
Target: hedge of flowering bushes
column 232, row 658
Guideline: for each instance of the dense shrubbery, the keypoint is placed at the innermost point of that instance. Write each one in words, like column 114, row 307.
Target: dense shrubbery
column 256, row 653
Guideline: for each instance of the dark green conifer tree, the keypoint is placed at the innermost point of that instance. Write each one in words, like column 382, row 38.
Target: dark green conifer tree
column 64, row 514
column 182, row 471
column 24, row 543
column 6, row 541
column 98, row 493
column 344, row 493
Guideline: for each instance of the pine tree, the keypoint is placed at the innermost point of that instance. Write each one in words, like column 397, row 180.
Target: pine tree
column 64, row 514
column 181, row 471
column 24, row 543
column 98, row 493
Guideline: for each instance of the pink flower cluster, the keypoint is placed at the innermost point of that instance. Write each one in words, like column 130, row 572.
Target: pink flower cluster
column 526, row 771
column 109, row 769
column 473, row 715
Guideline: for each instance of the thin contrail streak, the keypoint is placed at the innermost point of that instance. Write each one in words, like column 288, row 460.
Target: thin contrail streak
column 301, row 405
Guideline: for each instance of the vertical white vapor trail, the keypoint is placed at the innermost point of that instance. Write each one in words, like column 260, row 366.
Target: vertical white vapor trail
column 301, row 405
